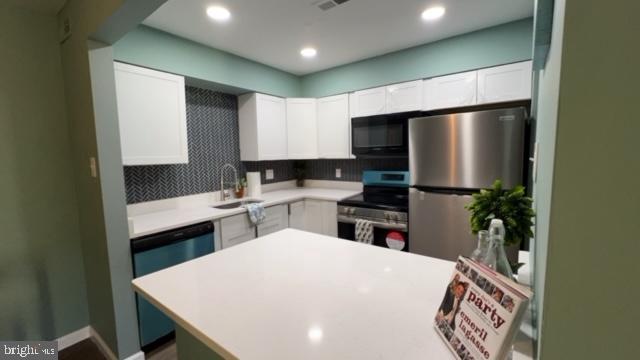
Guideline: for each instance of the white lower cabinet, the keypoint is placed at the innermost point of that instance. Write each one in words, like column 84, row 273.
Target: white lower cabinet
column 316, row 216
column 296, row 215
column 236, row 229
column 277, row 219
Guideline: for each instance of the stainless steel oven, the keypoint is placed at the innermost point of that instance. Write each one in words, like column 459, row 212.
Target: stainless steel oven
column 384, row 203
column 390, row 228
column 381, row 135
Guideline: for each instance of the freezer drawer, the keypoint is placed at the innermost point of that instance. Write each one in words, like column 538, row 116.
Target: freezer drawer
column 439, row 225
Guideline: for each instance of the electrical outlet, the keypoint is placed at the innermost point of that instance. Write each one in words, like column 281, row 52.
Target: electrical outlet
column 338, row 173
column 92, row 167
column 269, row 174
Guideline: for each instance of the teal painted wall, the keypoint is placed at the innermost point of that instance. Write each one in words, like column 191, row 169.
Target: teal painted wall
column 162, row 51
column 42, row 283
column 114, row 203
column 85, row 17
column 488, row 47
column 93, row 128
column 545, row 113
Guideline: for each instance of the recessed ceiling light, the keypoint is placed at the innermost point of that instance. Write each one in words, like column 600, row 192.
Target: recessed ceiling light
column 433, row 13
column 218, row 13
column 308, row 52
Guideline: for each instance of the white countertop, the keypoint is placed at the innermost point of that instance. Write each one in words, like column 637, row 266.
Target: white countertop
column 298, row 295
column 170, row 219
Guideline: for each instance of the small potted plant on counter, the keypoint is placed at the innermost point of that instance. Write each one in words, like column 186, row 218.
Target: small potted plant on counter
column 513, row 207
column 240, row 188
column 299, row 172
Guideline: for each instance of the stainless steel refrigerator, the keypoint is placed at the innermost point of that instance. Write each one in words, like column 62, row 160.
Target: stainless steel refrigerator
column 451, row 157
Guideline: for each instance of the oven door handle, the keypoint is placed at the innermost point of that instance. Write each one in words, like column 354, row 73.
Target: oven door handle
column 378, row 224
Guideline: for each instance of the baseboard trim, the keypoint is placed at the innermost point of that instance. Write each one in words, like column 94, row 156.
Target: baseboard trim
column 102, row 345
column 73, row 338
column 137, row 356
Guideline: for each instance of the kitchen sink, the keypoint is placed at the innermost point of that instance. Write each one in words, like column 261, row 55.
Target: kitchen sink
column 236, row 204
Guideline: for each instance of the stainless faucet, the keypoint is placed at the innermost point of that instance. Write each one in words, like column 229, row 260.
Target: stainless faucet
column 224, row 194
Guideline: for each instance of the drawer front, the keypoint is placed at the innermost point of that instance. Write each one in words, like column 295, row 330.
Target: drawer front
column 276, row 220
column 236, row 229
column 229, row 242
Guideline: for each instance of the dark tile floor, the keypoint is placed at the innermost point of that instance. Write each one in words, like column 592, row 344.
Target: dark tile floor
column 85, row 349
column 88, row 350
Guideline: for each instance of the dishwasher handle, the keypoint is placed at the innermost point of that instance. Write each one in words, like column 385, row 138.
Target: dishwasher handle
column 164, row 238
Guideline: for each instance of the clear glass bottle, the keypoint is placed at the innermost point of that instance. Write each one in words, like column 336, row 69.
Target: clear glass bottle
column 483, row 246
column 496, row 256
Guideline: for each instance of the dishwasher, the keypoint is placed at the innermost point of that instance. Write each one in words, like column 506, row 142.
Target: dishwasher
column 155, row 252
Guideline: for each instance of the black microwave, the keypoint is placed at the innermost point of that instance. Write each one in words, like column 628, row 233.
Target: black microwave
column 381, row 135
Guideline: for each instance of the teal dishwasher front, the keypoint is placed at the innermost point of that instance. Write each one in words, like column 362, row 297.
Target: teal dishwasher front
column 160, row 251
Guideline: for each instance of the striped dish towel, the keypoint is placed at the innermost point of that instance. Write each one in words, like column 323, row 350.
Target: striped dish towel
column 364, row 231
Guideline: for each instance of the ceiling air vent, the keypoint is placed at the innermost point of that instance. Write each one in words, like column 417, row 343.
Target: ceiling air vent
column 326, row 5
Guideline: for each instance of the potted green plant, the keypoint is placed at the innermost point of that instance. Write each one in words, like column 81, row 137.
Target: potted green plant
column 299, row 172
column 241, row 187
column 513, row 207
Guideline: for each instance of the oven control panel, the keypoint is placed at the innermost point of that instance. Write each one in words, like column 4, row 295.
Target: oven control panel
column 350, row 213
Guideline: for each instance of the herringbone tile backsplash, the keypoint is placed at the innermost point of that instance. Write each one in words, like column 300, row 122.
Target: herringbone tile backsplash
column 212, row 128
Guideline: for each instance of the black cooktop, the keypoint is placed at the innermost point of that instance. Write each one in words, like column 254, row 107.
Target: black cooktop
column 380, row 197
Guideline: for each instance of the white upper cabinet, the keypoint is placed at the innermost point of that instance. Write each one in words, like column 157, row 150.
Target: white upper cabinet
column 450, row 91
column 405, row 96
column 152, row 116
column 334, row 127
column 302, row 128
column 369, row 102
column 263, row 127
column 505, row 83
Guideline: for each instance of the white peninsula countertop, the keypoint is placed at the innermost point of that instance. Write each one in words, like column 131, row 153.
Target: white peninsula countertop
column 298, row 295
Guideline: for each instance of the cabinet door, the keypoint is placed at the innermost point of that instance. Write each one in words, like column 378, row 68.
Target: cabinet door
column 272, row 127
column 330, row 218
column 152, row 116
column 297, row 215
column 370, row 102
column 302, row 136
column 450, row 91
column 405, row 96
column 236, row 229
column 505, row 83
column 321, row 217
column 313, row 213
column 277, row 219
column 334, row 127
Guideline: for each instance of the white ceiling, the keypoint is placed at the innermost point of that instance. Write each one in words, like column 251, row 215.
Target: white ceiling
column 272, row 32
column 44, row 6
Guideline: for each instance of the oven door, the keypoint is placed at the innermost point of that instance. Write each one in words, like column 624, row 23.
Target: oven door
column 392, row 236
column 380, row 135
